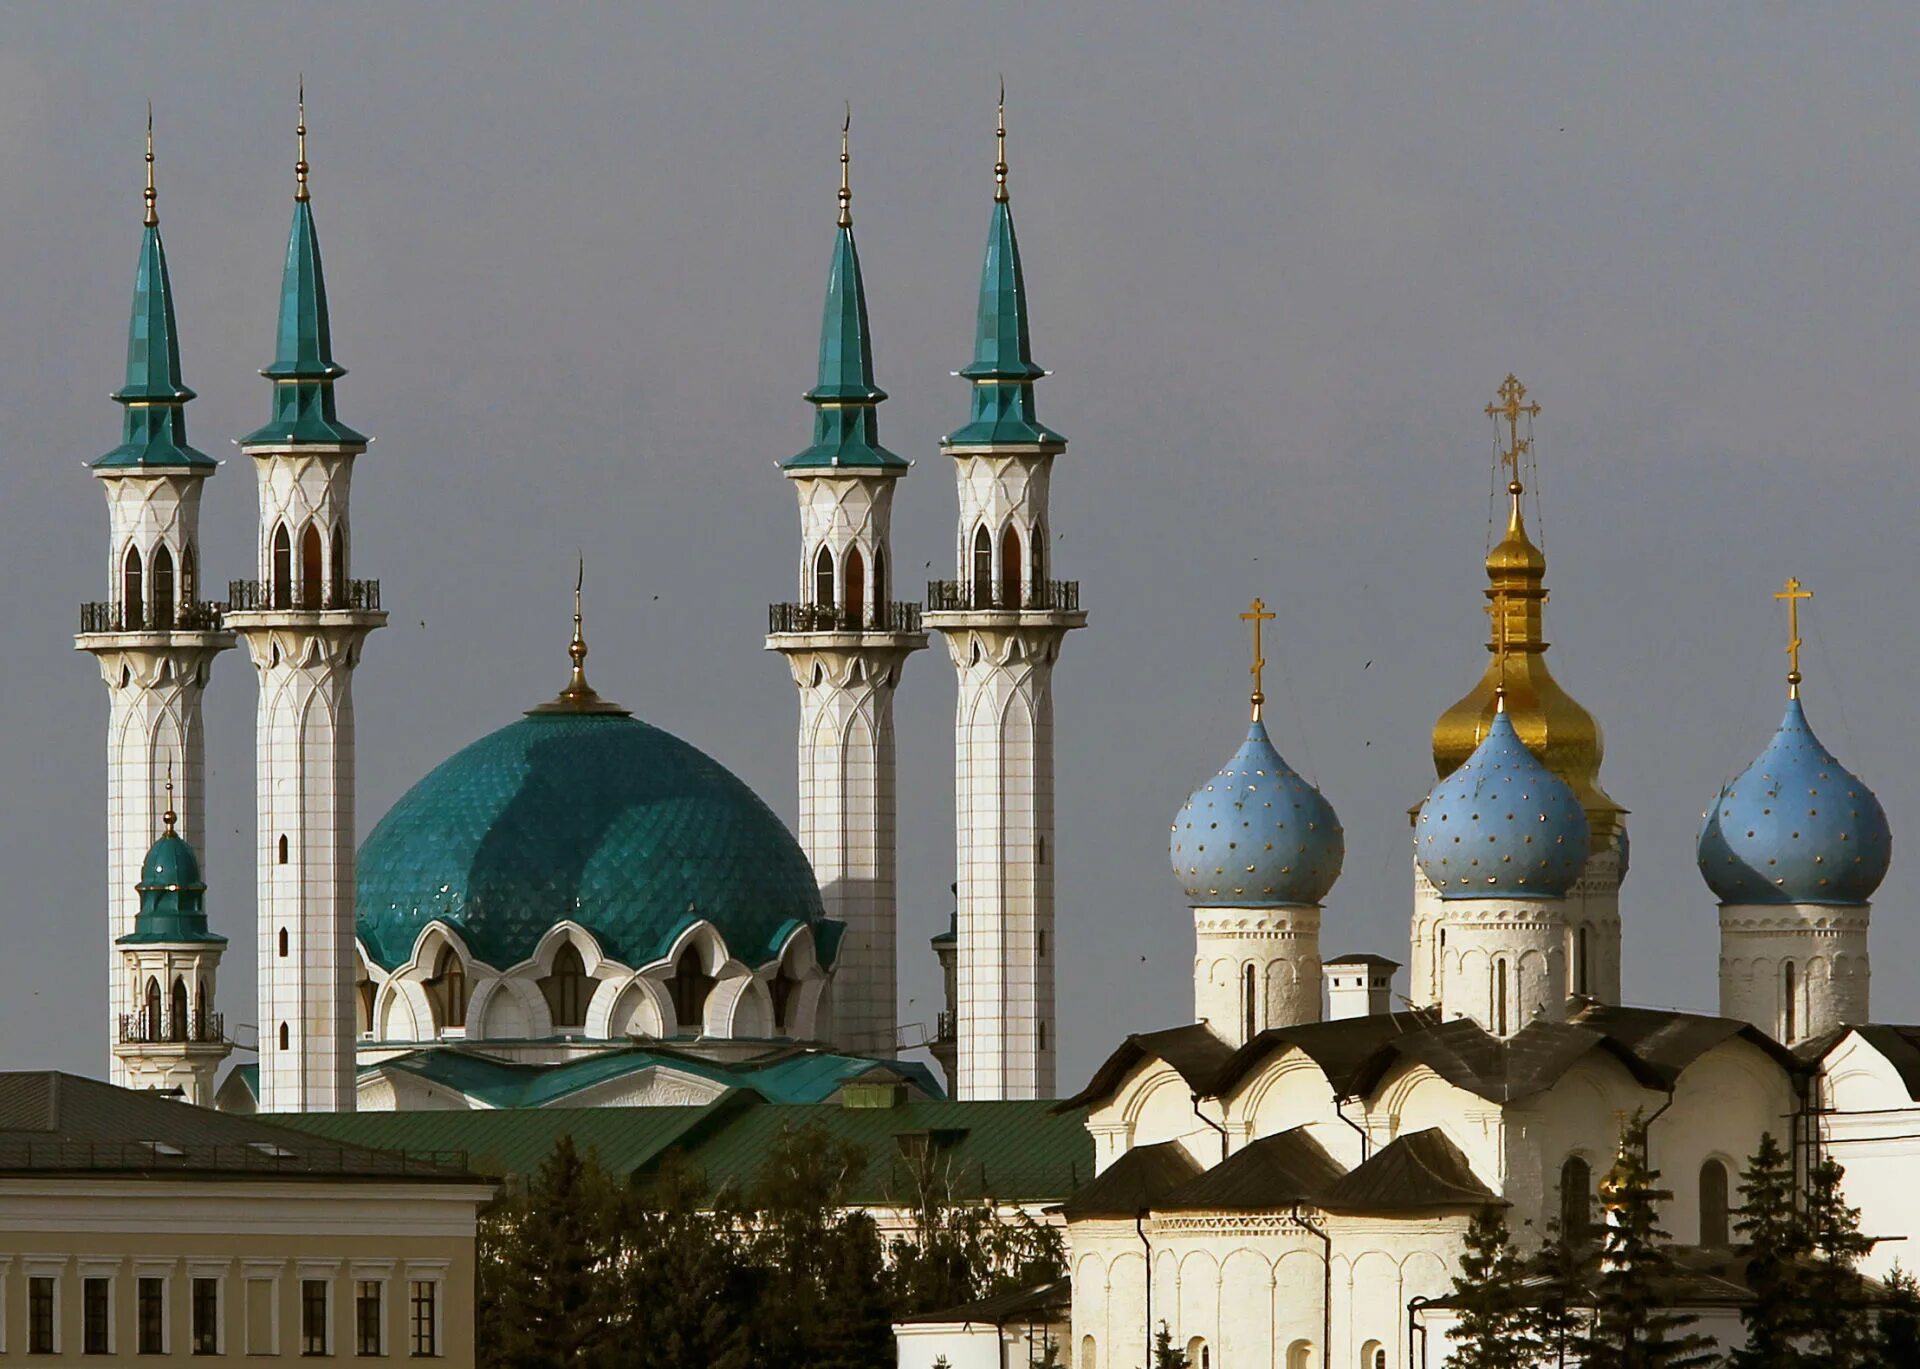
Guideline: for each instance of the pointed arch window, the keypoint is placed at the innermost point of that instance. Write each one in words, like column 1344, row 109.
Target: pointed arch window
column 1713, row 1203
column 201, row 1019
column 151, row 1026
column 177, row 1020
column 286, row 1036
column 1010, row 569
column 856, row 615
column 363, row 1003
column 982, row 567
column 164, row 611
column 566, row 989
column 781, row 989
column 823, row 580
column 448, row 988
column 311, row 567
column 689, row 988
column 880, row 586
column 132, row 592
column 189, row 574
column 337, row 571
column 282, row 568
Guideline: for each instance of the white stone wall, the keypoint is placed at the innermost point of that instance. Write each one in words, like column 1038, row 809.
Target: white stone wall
column 1002, row 489
column 842, row 514
column 1281, row 949
column 1502, row 961
column 301, row 486
column 1826, row 948
column 188, row 1065
column 1868, row 1124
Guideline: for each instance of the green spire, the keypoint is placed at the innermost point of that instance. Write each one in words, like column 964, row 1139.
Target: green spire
column 173, row 896
column 303, row 369
column 846, row 429
column 155, row 431
column 1003, row 369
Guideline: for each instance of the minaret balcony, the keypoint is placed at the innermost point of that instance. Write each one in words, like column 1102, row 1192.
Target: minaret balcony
column 159, row 1028
column 192, row 616
column 964, row 596
column 888, row 619
column 340, row 596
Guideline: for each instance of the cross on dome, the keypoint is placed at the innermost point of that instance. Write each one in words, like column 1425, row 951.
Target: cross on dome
column 1257, row 614
column 1510, row 407
column 1793, row 594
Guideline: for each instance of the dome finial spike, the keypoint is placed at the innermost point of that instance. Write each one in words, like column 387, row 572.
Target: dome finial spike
column 1000, row 145
column 1257, row 614
column 578, row 649
column 169, row 817
column 846, row 185
column 1792, row 593
column 1511, row 408
column 300, row 131
column 153, row 213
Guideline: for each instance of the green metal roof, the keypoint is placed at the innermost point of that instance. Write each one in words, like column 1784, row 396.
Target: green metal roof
column 155, row 432
column 846, row 431
column 1003, row 369
column 303, row 369
column 172, row 895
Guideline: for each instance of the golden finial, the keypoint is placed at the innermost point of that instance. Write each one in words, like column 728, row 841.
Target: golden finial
column 153, row 214
column 300, row 166
column 578, row 649
column 1512, row 392
column 846, row 186
column 168, row 818
column 1793, row 594
column 1000, row 142
column 578, row 696
column 1257, row 614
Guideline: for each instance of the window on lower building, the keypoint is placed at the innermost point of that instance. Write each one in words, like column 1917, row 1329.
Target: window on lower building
column 40, row 1316
column 1713, row 1203
column 425, row 1317
column 150, row 1306
column 206, row 1316
column 368, row 1317
column 96, row 1316
column 313, row 1316
column 262, row 1332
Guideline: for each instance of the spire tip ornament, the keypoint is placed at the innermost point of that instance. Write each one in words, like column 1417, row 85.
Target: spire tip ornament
column 153, row 214
column 578, row 696
column 846, row 185
column 1000, row 144
column 169, row 817
column 1792, row 594
column 300, row 132
column 1257, row 614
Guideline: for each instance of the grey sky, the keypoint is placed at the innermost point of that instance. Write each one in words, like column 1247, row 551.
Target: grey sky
column 1279, row 257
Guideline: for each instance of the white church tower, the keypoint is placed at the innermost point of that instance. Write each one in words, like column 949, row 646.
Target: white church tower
column 846, row 644
column 1004, row 622
column 153, row 636
column 304, row 621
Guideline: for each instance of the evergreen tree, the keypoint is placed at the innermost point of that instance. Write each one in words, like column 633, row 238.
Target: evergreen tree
column 1557, row 1297
column 1838, row 1321
column 1774, row 1244
column 1897, row 1334
column 687, row 1287
column 1493, row 1331
column 1167, row 1355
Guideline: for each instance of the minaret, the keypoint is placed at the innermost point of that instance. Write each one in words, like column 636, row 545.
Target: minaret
column 172, row 1039
column 153, row 635
column 846, row 643
column 303, row 621
column 1256, row 848
column 1004, row 623
column 1794, row 848
column 1554, row 726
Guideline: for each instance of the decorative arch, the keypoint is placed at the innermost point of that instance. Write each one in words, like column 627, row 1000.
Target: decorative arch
column 1012, row 572
column 447, row 988
column 823, row 595
column 856, row 589
column 1713, row 1204
column 177, row 1010
column 567, row 987
column 1576, row 1197
column 312, row 567
column 133, row 611
column 337, row 570
column 154, row 1012
column 280, row 572
column 161, row 590
column 982, row 567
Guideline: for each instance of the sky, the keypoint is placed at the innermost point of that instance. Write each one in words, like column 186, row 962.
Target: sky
column 1279, row 259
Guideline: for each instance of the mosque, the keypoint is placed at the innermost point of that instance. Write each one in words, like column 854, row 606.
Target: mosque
column 580, row 908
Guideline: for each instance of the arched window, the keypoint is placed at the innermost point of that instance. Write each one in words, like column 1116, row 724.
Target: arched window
column 164, row 611
column 1300, row 1355
column 283, row 943
column 1580, row 960
column 132, row 597
column 982, row 568
column 150, row 1028
column 285, row 1036
column 566, row 989
column 337, row 578
column 856, row 588
column 1713, row 1203
column 1373, row 1355
column 1197, row 1356
column 189, row 575
column 689, row 988
column 1789, row 993
column 780, row 988
column 1576, row 1187
column 823, row 581
column 449, row 988
column 177, row 1023
column 880, row 586
column 1040, row 1035
column 283, row 848
column 1499, row 973
column 282, row 586
column 200, row 1007
column 363, row 1003
column 310, row 568
column 1011, row 572
column 1037, row 554
column 1247, row 1017
column 1089, row 1354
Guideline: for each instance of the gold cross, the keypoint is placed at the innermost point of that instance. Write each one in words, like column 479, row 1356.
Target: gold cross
column 1793, row 594
column 1512, row 392
column 1257, row 614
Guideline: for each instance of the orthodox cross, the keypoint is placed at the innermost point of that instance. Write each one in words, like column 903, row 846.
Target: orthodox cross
column 1257, row 614
column 1793, row 594
column 1510, row 407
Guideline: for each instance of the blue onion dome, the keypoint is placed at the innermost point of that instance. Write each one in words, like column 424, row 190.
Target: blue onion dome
column 1796, row 826
column 1256, row 834
column 1502, row 825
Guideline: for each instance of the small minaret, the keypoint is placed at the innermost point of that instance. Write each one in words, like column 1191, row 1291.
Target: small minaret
column 172, row 1039
column 1795, row 847
column 1004, row 622
column 303, row 621
column 846, row 643
column 153, row 635
column 1256, row 848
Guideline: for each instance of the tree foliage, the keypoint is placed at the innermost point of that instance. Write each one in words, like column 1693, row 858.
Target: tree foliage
column 1494, row 1330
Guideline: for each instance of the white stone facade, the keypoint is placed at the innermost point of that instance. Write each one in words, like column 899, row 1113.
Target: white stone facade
column 1255, row 968
column 1796, row 971
column 1502, row 961
column 172, row 1038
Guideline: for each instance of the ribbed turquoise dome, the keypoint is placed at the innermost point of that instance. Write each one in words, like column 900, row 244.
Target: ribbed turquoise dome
column 1256, row 834
column 173, row 895
column 171, row 864
column 595, row 817
column 1502, row 825
column 1796, row 826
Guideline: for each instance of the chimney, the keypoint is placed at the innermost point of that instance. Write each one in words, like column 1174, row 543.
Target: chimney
column 1359, row 985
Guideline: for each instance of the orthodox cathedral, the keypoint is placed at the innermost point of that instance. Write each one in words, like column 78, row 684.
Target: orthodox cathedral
column 581, row 908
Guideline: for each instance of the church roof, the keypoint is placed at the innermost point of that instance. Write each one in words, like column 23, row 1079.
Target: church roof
column 1193, row 1051
column 1900, row 1045
column 1042, row 1303
column 1256, row 834
column 1423, row 1169
column 1503, row 825
column 1274, row 1171
column 1134, row 1184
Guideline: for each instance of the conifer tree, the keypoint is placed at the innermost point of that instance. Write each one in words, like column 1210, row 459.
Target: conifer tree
column 1557, row 1297
column 1494, row 1330
column 1897, row 1332
column 1838, row 1321
column 1773, row 1242
column 1167, row 1355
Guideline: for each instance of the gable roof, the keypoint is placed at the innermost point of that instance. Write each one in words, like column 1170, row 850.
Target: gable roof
column 1133, row 1185
column 1195, row 1053
column 1422, row 1169
column 1274, row 1171
column 1900, row 1045
column 1049, row 1302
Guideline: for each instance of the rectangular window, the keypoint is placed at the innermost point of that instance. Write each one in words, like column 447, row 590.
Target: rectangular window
column 313, row 1316
column 206, row 1316
column 368, row 1317
column 425, row 1320
column 96, row 1316
column 261, row 1339
column 40, row 1316
column 150, row 1302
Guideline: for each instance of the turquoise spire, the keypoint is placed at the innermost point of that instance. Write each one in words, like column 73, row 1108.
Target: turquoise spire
column 846, row 429
column 173, row 896
column 154, row 397
column 1002, row 370
column 303, row 369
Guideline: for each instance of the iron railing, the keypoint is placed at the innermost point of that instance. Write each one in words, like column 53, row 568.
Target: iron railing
column 827, row 618
column 946, row 1028
column 297, row 1155
column 948, row 596
column 146, row 1026
column 263, row 596
column 193, row 616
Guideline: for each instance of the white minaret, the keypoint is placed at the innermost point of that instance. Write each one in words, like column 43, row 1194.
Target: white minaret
column 1004, row 623
column 303, row 621
column 153, row 636
column 846, row 643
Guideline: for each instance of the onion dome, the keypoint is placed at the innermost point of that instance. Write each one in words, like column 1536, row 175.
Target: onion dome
column 1796, row 826
column 1503, row 825
column 173, row 895
column 1256, row 835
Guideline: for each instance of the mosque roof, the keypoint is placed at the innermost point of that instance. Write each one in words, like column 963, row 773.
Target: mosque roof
column 1503, row 825
column 1795, row 826
column 1256, row 834
column 172, row 894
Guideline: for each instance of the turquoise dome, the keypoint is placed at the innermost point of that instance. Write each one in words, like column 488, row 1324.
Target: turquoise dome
column 588, row 816
column 1502, row 825
column 1256, row 834
column 173, row 895
column 1796, row 826
column 171, row 864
